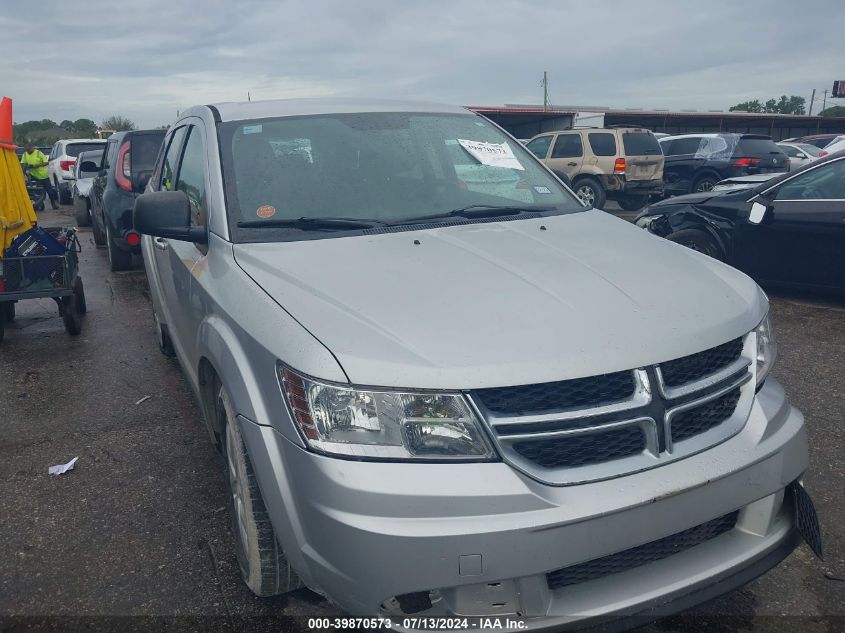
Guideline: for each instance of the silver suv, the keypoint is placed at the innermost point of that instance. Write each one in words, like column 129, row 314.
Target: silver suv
column 438, row 387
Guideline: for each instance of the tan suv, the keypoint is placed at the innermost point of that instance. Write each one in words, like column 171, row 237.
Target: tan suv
column 624, row 164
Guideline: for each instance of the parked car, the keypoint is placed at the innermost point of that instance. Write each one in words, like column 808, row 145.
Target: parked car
column 127, row 164
column 436, row 400
column 836, row 146
column 801, row 154
column 739, row 182
column 819, row 140
column 84, row 171
column 62, row 159
column 799, row 241
column 696, row 162
column 621, row 164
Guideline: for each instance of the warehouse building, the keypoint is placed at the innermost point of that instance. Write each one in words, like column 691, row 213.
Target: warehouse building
column 525, row 121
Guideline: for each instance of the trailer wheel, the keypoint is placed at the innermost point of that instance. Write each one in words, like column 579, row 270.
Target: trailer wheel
column 72, row 310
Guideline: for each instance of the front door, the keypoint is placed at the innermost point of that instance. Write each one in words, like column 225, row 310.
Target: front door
column 567, row 155
column 802, row 239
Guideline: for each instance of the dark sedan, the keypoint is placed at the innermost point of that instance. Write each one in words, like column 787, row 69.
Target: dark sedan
column 789, row 230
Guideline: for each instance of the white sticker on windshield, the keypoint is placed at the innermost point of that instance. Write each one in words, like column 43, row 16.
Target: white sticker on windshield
column 252, row 129
column 493, row 154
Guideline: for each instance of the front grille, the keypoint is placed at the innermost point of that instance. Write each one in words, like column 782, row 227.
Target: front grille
column 581, row 450
column 641, row 555
column 564, row 394
column 704, row 417
column 683, row 370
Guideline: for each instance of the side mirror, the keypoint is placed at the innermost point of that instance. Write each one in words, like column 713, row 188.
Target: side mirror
column 167, row 214
column 758, row 212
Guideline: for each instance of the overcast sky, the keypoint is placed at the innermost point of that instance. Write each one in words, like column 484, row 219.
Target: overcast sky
column 145, row 60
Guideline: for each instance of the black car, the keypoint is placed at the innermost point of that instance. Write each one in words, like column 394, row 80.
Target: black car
column 787, row 231
column 696, row 162
column 125, row 170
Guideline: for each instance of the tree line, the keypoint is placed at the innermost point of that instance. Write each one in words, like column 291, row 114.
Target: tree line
column 46, row 131
column 785, row 105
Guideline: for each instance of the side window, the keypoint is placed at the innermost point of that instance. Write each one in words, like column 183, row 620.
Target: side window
column 171, row 158
column 53, row 152
column 684, row 146
column 540, row 146
column 666, row 146
column 108, row 155
column 192, row 175
column 568, row 146
column 826, row 182
column 790, row 151
column 602, row 143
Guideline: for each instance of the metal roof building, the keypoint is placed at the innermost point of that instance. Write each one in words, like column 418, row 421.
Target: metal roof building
column 525, row 121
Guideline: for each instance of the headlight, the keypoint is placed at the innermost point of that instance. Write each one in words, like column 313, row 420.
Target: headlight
column 383, row 424
column 767, row 349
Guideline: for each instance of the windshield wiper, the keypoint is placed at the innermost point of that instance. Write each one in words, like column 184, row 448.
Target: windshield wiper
column 315, row 224
column 475, row 211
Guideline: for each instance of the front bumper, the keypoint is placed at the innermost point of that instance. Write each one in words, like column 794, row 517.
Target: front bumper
column 479, row 539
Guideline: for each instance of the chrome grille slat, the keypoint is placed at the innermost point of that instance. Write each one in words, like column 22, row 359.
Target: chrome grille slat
column 649, row 407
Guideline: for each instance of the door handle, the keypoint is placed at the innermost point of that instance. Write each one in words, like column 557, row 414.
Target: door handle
column 572, row 164
column 160, row 243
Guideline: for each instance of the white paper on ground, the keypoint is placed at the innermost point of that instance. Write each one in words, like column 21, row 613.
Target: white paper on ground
column 62, row 468
column 493, row 154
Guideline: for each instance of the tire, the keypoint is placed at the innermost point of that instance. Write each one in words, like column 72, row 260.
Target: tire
column 118, row 259
column 633, row 203
column 165, row 343
column 264, row 567
column 99, row 235
column 590, row 192
column 8, row 310
column 72, row 314
column 698, row 241
column 79, row 291
column 704, row 183
column 64, row 194
column 564, row 178
column 82, row 212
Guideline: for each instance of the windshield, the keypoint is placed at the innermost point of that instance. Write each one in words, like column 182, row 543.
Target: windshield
column 640, row 143
column 386, row 168
column 74, row 149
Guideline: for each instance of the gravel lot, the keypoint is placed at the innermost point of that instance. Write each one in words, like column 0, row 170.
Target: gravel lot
column 140, row 528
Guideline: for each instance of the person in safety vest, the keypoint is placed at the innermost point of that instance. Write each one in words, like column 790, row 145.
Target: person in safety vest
column 36, row 162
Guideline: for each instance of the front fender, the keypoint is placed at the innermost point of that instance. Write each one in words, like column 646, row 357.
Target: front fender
column 689, row 217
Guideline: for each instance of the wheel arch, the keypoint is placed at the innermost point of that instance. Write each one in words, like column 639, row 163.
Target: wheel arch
column 693, row 219
column 701, row 173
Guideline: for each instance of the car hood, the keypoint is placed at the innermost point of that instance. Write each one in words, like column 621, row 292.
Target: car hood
column 504, row 303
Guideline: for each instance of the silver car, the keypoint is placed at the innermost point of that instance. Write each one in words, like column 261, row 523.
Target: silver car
column 442, row 400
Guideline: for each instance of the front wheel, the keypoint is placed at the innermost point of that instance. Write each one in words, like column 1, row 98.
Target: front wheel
column 264, row 567
column 697, row 241
column 705, row 183
column 591, row 193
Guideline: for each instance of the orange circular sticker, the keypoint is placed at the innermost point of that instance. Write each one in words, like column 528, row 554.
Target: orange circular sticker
column 265, row 211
